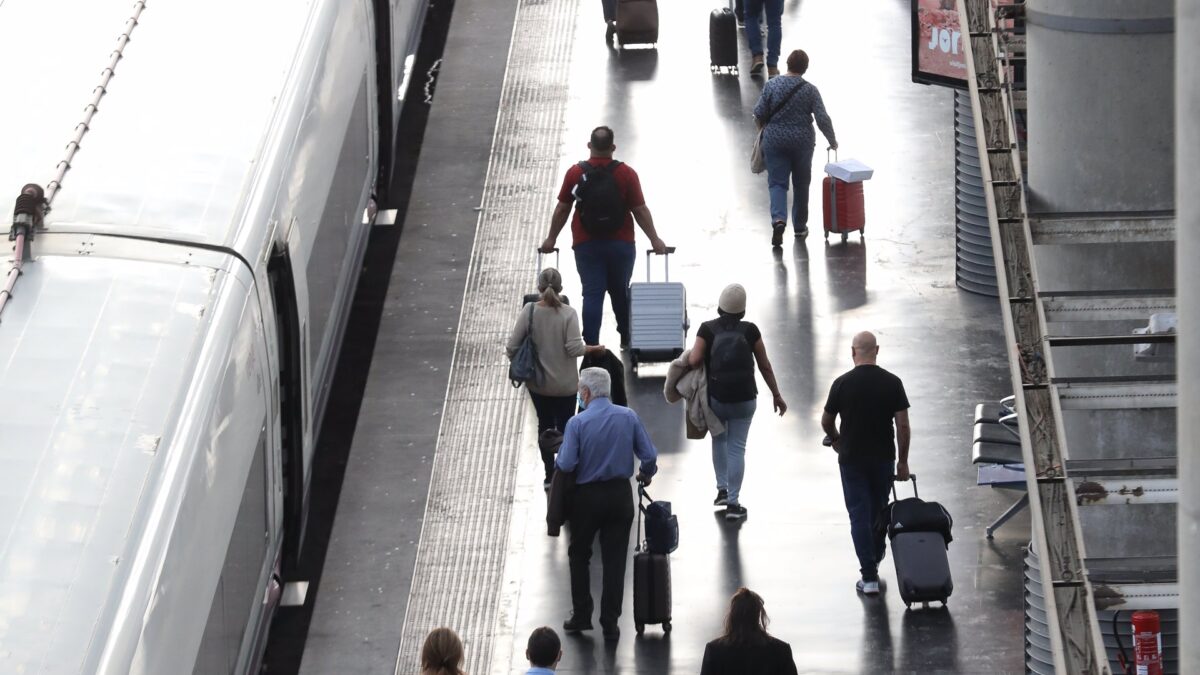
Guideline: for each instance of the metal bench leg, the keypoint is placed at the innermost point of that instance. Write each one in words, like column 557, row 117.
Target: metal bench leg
column 1004, row 517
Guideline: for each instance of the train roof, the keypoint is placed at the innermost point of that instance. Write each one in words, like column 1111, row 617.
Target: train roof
column 177, row 141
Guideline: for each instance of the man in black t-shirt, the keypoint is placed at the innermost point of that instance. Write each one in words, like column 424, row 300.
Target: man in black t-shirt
column 868, row 399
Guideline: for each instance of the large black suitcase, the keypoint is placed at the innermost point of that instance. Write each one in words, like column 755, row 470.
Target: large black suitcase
column 722, row 40
column 920, row 535
column 637, row 22
column 651, row 584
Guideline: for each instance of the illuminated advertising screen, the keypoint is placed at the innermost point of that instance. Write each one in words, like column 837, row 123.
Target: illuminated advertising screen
column 937, row 44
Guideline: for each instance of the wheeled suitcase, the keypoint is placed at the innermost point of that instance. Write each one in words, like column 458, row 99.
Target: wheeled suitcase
column 920, row 536
column 658, row 322
column 637, row 22
column 842, row 204
column 651, row 583
column 722, row 41
column 662, row 526
column 533, row 297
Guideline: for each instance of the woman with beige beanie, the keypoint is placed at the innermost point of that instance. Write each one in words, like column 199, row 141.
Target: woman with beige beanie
column 729, row 348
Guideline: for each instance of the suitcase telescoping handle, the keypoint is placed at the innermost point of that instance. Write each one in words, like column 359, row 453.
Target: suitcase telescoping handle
column 666, row 263
column 539, row 258
column 827, row 152
column 913, row 477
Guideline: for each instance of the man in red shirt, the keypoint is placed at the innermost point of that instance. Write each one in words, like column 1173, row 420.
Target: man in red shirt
column 604, row 246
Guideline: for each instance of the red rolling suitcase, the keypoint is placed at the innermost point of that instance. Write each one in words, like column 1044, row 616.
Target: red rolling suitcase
column 842, row 204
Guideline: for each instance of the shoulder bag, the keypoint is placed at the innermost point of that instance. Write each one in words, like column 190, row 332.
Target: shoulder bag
column 758, row 163
column 523, row 368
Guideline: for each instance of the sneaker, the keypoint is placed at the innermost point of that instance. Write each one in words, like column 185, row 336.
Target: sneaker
column 867, row 587
column 802, row 233
column 611, row 632
column 756, row 65
column 772, row 72
column 827, row 442
column 573, row 625
column 777, row 229
column 735, row 512
column 610, row 31
column 722, row 498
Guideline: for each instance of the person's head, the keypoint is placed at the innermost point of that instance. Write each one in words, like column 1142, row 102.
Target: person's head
column 746, row 622
column 544, row 649
column 732, row 304
column 594, row 383
column 797, row 62
column 442, row 653
column 603, row 142
column 549, row 284
column 864, row 349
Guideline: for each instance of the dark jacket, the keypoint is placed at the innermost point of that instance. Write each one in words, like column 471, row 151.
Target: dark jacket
column 772, row 658
column 561, row 485
column 616, row 372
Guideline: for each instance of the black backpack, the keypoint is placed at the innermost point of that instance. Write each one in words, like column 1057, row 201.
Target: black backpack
column 599, row 200
column 731, row 364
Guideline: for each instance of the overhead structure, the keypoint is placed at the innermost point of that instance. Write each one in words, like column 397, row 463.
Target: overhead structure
column 1083, row 243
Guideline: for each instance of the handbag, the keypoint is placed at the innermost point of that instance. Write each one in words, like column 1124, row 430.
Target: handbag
column 758, row 162
column 523, row 368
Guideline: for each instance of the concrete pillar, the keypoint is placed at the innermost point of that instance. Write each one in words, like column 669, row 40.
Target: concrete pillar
column 1187, row 211
column 1100, row 88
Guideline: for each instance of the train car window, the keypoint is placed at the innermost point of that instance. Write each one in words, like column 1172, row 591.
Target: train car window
column 237, row 599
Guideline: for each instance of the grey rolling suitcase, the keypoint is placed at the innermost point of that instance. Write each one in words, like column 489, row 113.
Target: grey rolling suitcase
column 919, row 549
column 658, row 322
column 533, row 297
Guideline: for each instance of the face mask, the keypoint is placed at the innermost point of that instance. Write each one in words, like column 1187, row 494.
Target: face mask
column 579, row 401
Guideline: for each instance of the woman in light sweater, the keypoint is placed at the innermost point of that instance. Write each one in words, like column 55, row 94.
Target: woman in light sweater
column 559, row 344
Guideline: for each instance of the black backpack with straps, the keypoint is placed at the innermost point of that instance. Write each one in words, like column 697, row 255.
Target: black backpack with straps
column 599, row 200
column 731, row 364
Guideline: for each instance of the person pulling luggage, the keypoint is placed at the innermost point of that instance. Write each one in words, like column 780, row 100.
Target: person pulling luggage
column 599, row 445
column 869, row 401
column 729, row 347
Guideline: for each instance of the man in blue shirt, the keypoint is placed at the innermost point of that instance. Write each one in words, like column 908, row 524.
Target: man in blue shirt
column 599, row 445
column 544, row 651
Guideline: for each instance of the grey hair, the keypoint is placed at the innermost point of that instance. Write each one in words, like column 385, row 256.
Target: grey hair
column 597, row 381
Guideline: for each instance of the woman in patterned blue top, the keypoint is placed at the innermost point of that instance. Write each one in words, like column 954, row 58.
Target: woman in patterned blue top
column 785, row 112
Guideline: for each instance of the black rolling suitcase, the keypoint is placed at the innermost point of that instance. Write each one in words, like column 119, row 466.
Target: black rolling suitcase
column 651, row 581
column 920, row 535
column 637, row 22
column 722, row 41
column 533, row 297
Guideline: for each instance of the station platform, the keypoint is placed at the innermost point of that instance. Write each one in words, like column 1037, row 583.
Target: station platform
column 441, row 517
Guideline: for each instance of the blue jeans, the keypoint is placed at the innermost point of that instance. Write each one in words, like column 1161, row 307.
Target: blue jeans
column 729, row 449
column 774, row 10
column 865, row 489
column 605, row 265
column 610, row 9
column 782, row 164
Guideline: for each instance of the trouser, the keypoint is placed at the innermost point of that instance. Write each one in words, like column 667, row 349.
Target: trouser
column 774, row 10
column 729, row 449
column 604, row 508
column 610, row 9
column 865, row 489
column 605, row 265
column 552, row 413
column 782, row 164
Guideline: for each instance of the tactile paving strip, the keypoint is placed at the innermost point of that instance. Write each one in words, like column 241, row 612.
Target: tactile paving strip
column 460, row 557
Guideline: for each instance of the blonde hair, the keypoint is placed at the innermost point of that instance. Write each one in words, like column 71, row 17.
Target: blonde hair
column 549, row 284
column 442, row 653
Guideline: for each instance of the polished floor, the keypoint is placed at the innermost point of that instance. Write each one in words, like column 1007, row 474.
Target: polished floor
column 688, row 132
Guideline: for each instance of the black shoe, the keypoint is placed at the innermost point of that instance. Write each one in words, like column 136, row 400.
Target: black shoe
column 827, row 442
column 735, row 512
column 722, row 498
column 610, row 32
column 573, row 626
column 802, row 233
column 777, row 233
column 611, row 632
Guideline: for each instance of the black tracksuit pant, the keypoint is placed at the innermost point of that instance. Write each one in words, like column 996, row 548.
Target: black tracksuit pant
column 604, row 508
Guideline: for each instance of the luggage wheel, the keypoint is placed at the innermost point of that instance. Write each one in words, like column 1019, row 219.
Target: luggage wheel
column 845, row 236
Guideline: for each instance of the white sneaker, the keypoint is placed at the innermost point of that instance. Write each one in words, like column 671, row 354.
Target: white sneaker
column 867, row 587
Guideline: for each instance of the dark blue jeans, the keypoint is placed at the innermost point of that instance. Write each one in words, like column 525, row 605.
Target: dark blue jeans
column 610, row 9
column 783, row 164
column 605, row 265
column 866, row 488
column 774, row 11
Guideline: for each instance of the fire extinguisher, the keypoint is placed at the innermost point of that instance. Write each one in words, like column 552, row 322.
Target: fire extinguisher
column 1147, row 644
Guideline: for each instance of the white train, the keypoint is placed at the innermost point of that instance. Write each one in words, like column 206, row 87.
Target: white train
column 166, row 353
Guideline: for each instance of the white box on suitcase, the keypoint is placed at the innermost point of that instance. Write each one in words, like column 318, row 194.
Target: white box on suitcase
column 658, row 322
